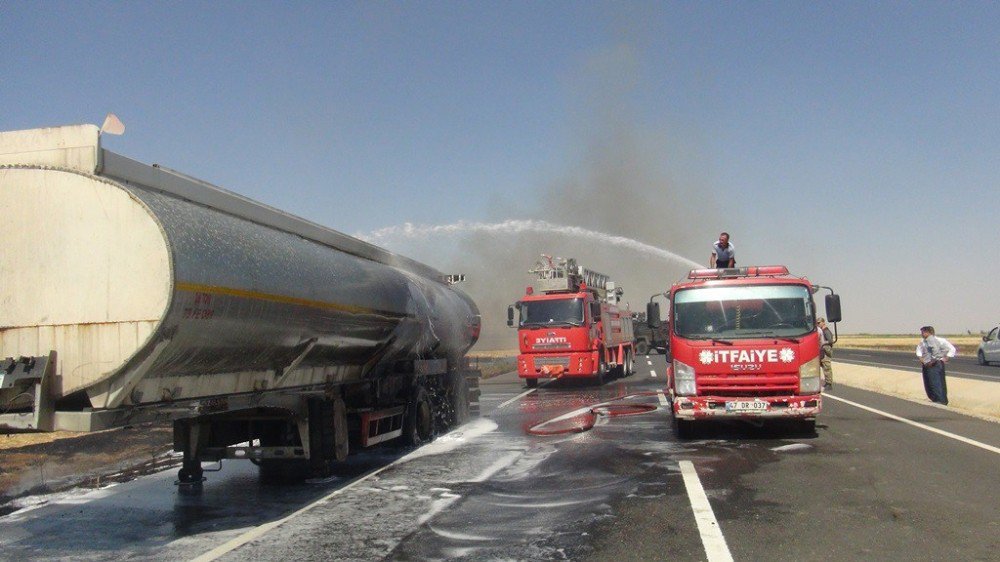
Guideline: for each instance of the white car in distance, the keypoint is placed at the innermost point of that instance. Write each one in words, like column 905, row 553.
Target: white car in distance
column 989, row 350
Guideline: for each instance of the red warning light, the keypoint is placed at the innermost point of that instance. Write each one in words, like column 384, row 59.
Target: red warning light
column 723, row 273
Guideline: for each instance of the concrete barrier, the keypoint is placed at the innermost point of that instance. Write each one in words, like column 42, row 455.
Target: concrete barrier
column 976, row 397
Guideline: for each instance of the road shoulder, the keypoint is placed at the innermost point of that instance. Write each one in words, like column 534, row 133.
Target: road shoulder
column 973, row 397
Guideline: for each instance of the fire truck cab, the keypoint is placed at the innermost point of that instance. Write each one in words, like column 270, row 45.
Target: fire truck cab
column 744, row 345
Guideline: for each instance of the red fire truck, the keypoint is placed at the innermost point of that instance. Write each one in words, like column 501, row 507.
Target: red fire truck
column 744, row 345
column 570, row 325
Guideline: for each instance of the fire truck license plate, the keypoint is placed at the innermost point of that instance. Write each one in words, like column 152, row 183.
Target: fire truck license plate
column 747, row 406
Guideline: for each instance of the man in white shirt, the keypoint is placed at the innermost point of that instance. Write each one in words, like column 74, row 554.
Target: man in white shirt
column 723, row 253
column 933, row 352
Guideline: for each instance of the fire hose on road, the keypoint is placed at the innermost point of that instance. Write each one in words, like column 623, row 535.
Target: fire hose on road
column 583, row 419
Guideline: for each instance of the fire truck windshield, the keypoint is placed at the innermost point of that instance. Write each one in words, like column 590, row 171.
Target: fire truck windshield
column 743, row 312
column 552, row 312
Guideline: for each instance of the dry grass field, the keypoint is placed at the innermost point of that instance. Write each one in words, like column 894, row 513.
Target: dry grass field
column 15, row 440
column 493, row 363
column 965, row 344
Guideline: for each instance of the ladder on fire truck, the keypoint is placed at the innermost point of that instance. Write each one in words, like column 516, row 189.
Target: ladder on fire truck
column 565, row 275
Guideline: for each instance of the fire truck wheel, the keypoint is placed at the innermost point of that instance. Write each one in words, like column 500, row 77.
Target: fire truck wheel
column 531, row 383
column 602, row 373
column 807, row 427
column 619, row 370
column 683, row 429
column 629, row 363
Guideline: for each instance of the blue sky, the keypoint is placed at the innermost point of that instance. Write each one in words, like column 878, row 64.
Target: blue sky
column 857, row 142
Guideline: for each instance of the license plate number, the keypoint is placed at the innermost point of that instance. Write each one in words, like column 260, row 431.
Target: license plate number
column 747, row 406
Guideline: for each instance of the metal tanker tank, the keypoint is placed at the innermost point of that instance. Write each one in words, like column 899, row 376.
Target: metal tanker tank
column 144, row 287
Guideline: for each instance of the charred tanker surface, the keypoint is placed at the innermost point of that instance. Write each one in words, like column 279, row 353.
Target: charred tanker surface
column 570, row 325
column 138, row 292
column 744, row 345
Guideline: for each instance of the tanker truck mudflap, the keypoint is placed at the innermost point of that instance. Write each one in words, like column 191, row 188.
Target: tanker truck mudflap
column 29, row 378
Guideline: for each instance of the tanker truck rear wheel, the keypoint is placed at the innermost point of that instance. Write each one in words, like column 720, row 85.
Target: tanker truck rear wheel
column 328, row 436
column 642, row 348
column 341, row 437
column 463, row 390
column 283, row 471
column 418, row 426
column 190, row 475
column 280, row 471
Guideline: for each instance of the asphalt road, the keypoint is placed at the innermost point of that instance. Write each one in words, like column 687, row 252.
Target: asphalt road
column 959, row 366
column 866, row 486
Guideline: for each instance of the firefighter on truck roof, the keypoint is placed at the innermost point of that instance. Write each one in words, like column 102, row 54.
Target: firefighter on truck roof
column 723, row 253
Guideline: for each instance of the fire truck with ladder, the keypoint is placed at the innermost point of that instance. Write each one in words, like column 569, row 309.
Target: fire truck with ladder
column 744, row 345
column 570, row 325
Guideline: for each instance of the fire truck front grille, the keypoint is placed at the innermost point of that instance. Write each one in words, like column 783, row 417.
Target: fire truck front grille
column 748, row 385
column 551, row 346
column 542, row 361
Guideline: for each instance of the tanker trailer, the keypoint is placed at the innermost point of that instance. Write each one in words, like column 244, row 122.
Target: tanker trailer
column 132, row 293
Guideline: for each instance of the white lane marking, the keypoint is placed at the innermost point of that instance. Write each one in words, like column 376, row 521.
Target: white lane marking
column 516, row 398
column 708, row 527
column 446, row 500
column 649, row 362
column 662, row 397
column 960, row 374
column 911, row 369
column 652, row 373
column 952, row 372
column 950, row 435
column 257, row 532
column 498, row 396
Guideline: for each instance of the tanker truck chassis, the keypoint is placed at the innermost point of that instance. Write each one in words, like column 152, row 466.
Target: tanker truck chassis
column 290, row 435
column 133, row 293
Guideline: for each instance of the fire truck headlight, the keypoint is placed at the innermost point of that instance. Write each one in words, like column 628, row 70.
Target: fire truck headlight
column 809, row 381
column 684, row 384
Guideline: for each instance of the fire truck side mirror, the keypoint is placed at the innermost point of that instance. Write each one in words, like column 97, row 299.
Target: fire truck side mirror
column 653, row 314
column 510, row 316
column 833, row 308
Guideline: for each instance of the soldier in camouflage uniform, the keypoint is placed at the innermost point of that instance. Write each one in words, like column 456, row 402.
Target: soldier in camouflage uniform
column 825, row 351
